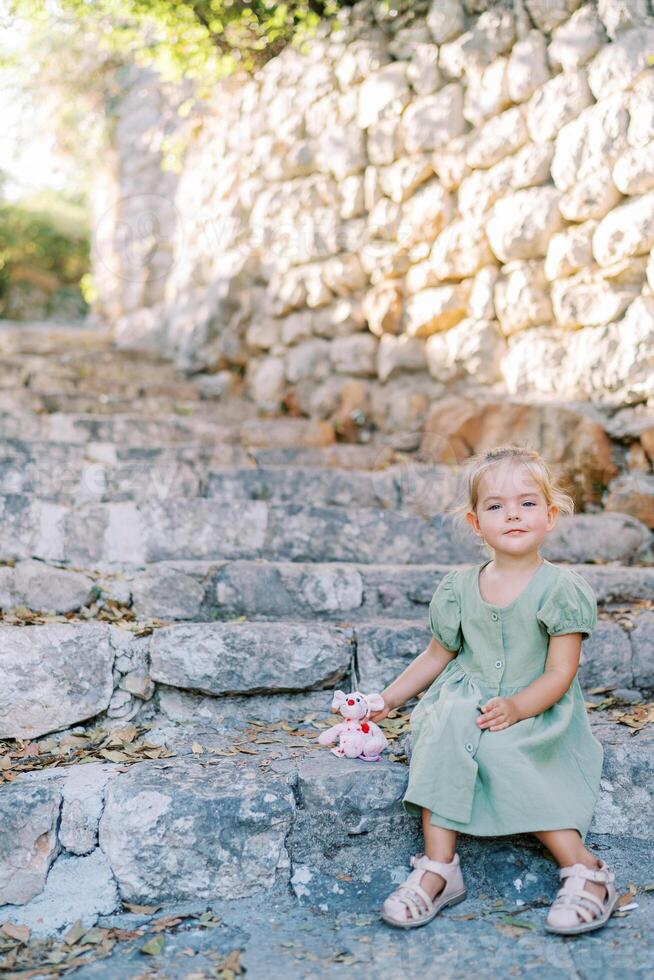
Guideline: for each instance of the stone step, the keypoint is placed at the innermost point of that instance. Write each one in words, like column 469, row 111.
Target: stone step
column 417, row 486
column 330, row 923
column 77, row 357
column 341, row 456
column 358, row 591
column 61, row 674
column 133, row 430
column 344, row 801
column 48, row 338
column 124, row 533
column 86, row 386
column 71, row 474
column 190, row 656
column 264, row 590
column 99, row 472
column 612, row 656
column 101, row 404
column 104, row 472
column 327, row 922
column 93, row 373
column 201, row 826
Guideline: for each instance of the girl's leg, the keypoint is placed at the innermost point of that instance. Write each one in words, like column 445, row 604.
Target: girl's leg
column 440, row 845
column 567, row 847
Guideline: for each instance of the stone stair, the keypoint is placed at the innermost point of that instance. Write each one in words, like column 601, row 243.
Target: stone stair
column 183, row 584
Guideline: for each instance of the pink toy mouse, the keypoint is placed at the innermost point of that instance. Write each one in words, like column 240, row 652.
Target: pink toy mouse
column 357, row 738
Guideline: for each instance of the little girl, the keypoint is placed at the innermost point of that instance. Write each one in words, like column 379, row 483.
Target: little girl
column 501, row 742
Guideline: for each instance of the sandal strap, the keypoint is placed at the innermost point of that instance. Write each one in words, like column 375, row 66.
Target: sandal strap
column 410, row 905
column 442, row 868
column 416, row 889
column 583, row 911
column 408, row 895
column 565, row 898
column 601, row 875
column 585, row 906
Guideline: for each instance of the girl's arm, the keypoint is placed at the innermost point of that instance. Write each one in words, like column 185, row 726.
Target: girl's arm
column 420, row 673
column 563, row 655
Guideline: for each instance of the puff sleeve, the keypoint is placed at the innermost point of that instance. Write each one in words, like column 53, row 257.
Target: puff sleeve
column 570, row 607
column 445, row 613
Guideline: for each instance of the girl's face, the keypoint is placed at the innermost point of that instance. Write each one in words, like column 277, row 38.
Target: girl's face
column 512, row 513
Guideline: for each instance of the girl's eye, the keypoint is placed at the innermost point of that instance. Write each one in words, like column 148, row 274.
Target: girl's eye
column 531, row 503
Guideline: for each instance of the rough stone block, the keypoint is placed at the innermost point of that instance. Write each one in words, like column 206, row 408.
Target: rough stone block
column 29, row 812
column 558, row 102
column 625, row 231
column 53, row 676
column 186, row 832
column 221, row 658
column 521, row 224
column 431, row 121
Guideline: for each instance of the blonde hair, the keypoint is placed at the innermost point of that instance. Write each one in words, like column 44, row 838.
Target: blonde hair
column 476, row 466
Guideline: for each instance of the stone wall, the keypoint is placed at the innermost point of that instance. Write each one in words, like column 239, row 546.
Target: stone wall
column 135, row 220
column 421, row 205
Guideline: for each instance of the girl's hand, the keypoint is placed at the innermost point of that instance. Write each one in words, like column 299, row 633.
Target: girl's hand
column 378, row 716
column 498, row 713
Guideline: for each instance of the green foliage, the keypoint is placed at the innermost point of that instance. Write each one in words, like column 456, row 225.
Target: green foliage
column 88, row 289
column 195, row 39
column 44, row 245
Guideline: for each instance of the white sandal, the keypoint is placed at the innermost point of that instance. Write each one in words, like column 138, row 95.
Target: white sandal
column 574, row 901
column 414, row 899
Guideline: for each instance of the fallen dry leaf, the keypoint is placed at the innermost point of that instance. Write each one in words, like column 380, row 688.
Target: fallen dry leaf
column 637, row 717
column 121, row 735
column 153, row 947
column 75, row 933
column 72, row 749
column 627, row 896
column 13, row 931
column 92, row 937
column 167, row 922
column 114, row 756
column 141, row 909
column 232, row 962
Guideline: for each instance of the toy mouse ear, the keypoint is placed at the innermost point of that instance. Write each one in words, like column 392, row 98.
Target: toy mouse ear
column 340, row 697
column 375, row 702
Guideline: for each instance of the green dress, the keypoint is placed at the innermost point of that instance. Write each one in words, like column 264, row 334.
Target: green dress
column 541, row 773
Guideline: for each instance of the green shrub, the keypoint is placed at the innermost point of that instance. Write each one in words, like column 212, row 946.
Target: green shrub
column 44, row 253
